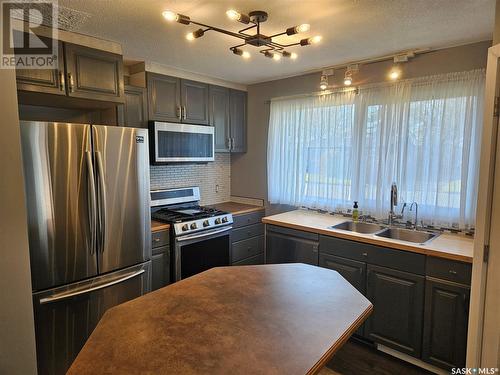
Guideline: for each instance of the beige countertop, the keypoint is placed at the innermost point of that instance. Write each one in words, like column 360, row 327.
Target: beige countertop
column 156, row 226
column 449, row 246
column 236, row 208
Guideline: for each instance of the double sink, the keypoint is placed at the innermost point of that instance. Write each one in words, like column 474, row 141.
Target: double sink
column 400, row 234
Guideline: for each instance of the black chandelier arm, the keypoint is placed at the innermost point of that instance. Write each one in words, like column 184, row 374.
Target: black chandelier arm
column 247, row 28
column 279, row 34
column 236, row 35
column 288, row 45
column 238, row 46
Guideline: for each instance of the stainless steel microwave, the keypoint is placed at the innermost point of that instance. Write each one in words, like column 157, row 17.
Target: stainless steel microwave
column 174, row 143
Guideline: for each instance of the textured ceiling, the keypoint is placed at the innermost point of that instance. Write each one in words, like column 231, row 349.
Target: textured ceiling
column 351, row 30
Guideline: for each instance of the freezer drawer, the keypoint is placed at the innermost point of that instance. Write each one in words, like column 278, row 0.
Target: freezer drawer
column 66, row 316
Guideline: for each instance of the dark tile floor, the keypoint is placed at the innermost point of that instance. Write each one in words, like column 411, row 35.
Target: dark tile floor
column 359, row 359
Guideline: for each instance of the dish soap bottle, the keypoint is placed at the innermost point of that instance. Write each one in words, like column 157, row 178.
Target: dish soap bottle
column 355, row 212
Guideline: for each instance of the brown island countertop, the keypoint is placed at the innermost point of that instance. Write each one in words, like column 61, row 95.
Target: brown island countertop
column 266, row 319
column 448, row 246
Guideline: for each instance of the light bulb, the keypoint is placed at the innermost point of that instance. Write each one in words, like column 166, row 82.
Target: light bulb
column 323, row 84
column 245, row 55
column 234, row 15
column 302, row 28
column 394, row 74
column 276, row 57
column 348, row 81
column 293, row 56
column 170, row 16
column 190, row 36
column 315, row 39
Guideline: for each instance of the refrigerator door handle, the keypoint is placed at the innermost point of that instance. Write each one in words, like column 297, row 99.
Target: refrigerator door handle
column 102, row 201
column 93, row 202
column 69, row 294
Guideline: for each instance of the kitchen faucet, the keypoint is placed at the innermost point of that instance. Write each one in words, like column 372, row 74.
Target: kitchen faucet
column 394, row 202
column 416, row 213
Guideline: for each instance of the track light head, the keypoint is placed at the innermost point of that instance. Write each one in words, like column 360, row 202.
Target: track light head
column 313, row 40
column 240, row 52
column 298, row 29
column 323, row 84
column 237, row 16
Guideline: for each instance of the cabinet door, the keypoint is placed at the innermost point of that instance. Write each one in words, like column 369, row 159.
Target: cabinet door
column 50, row 81
column 164, row 98
column 445, row 323
column 135, row 107
column 93, row 74
column 354, row 272
column 194, row 101
column 238, row 120
column 398, row 304
column 281, row 248
column 160, row 274
column 219, row 117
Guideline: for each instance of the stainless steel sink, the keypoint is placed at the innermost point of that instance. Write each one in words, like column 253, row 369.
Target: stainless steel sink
column 358, row 227
column 407, row 235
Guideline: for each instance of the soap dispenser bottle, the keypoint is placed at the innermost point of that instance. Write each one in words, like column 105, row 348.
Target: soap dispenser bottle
column 355, row 212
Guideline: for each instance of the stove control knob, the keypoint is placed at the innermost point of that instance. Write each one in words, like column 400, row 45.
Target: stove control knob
column 217, row 221
column 193, row 226
column 224, row 219
column 206, row 223
column 185, row 227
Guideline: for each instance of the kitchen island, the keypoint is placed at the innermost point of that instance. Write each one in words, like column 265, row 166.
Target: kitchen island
column 266, row 319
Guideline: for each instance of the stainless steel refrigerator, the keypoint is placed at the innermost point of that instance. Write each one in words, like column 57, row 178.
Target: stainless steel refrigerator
column 87, row 193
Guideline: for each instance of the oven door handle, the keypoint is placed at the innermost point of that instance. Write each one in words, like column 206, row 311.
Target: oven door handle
column 205, row 234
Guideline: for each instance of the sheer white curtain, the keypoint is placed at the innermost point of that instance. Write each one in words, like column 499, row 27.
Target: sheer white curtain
column 325, row 152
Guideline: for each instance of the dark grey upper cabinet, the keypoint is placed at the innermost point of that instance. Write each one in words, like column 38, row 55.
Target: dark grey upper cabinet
column 445, row 323
column 238, row 120
column 49, row 81
column 398, row 304
column 194, row 101
column 219, row 117
column 135, row 110
column 291, row 246
column 93, row 74
column 164, row 98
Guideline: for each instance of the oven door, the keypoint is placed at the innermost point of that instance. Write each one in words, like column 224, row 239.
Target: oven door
column 182, row 143
column 199, row 252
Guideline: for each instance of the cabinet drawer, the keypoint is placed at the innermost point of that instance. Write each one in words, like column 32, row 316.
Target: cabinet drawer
column 247, row 219
column 160, row 238
column 292, row 232
column 247, row 248
column 248, row 231
column 451, row 270
column 256, row 259
column 160, row 250
column 382, row 256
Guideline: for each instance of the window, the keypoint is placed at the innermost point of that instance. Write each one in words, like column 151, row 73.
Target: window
column 327, row 151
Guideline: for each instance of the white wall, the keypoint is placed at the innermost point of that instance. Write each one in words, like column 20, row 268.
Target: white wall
column 17, row 334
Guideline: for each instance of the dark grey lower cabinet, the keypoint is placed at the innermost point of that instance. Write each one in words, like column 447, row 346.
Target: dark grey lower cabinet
column 351, row 270
column 160, row 267
column 398, row 306
column 285, row 245
column 445, row 323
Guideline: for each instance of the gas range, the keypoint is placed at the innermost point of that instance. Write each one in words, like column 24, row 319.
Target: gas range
column 180, row 209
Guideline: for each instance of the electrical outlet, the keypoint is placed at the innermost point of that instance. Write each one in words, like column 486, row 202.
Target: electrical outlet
column 216, row 188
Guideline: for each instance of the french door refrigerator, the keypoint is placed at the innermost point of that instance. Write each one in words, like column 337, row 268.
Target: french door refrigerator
column 87, row 193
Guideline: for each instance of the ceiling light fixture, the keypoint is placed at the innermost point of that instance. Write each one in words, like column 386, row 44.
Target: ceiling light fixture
column 351, row 69
column 394, row 74
column 323, row 85
column 272, row 48
column 240, row 52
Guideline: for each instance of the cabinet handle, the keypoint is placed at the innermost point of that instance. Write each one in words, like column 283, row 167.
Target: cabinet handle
column 179, row 112
column 71, row 82
column 228, row 143
column 315, row 249
column 365, row 254
column 184, row 116
column 61, row 81
column 156, row 239
column 453, row 272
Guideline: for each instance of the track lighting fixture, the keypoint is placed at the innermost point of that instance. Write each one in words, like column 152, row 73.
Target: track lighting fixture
column 240, row 52
column 255, row 18
column 394, row 74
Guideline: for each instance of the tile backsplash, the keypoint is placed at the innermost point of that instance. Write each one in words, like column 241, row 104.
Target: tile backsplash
column 214, row 178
